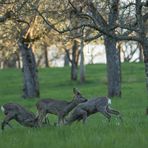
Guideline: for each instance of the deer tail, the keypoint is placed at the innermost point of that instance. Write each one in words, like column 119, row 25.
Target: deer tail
column 109, row 101
column 2, row 109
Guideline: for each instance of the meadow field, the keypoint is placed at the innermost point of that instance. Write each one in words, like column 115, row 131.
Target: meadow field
column 97, row 132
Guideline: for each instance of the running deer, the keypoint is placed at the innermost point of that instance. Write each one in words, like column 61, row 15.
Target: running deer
column 58, row 107
column 100, row 104
column 18, row 113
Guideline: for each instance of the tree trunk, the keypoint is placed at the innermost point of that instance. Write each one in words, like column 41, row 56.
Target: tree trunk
column 113, row 68
column 66, row 59
column 112, row 54
column 74, row 61
column 18, row 60
column 74, row 71
column 145, row 52
column 46, row 56
column 113, row 60
column 140, row 53
column 82, row 67
column 143, row 36
column 31, row 85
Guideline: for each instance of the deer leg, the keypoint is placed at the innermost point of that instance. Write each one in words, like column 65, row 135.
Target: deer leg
column 104, row 112
column 70, row 119
column 115, row 112
column 41, row 117
column 63, row 120
column 9, row 125
column 7, row 119
column 47, row 120
column 82, row 116
column 107, row 115
column 60, row 120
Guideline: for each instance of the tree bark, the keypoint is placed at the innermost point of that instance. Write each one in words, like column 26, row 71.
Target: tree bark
column 46, row 56
column 113, row 55
column 66, row 59
column 31, row 85
column 141, row 58
column 113, row 68
column 145, row 52
column 82, row 67
column 74, row 61
column 143, row 36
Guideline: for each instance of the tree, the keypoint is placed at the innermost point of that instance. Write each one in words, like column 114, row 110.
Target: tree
column 133, row 23
column 82, row 67
column 142, row 32
column 112, row 53
column 133, row 20
column 74, row 60
column 31, row 84
column 113, row 19
column 20, row 20
column 86, row 15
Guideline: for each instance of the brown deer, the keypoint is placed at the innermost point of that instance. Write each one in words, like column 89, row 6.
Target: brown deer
column 83, row 110
column 58, row 107
column 18, row 113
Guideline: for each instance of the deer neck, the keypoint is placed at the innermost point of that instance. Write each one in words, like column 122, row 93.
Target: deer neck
column 70, row 106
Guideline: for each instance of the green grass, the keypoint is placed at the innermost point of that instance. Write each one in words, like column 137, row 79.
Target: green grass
column 55, row 83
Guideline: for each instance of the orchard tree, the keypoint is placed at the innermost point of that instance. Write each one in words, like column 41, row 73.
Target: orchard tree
column 22, row 16
column 86, row 15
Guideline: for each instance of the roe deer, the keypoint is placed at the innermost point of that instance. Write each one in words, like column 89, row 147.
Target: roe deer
column 58, row 107
column 83, row 110
column 18, row 113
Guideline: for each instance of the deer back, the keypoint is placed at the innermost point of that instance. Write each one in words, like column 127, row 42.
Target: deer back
column 20, row 114
column 56, row 106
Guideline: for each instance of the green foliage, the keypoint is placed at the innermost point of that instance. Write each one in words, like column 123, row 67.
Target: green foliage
column 55, row 83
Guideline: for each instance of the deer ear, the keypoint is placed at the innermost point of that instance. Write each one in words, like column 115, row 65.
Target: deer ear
column 75, row 91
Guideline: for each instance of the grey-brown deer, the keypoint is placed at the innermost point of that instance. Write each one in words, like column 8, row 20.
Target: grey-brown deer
column 92, row 106
column 18, row 113
column 58, row 107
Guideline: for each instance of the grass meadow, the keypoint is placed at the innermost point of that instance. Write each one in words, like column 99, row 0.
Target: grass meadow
column 97, row 132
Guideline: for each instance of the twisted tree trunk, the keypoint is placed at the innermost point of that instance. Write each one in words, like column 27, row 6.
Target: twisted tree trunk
column 31, row 85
